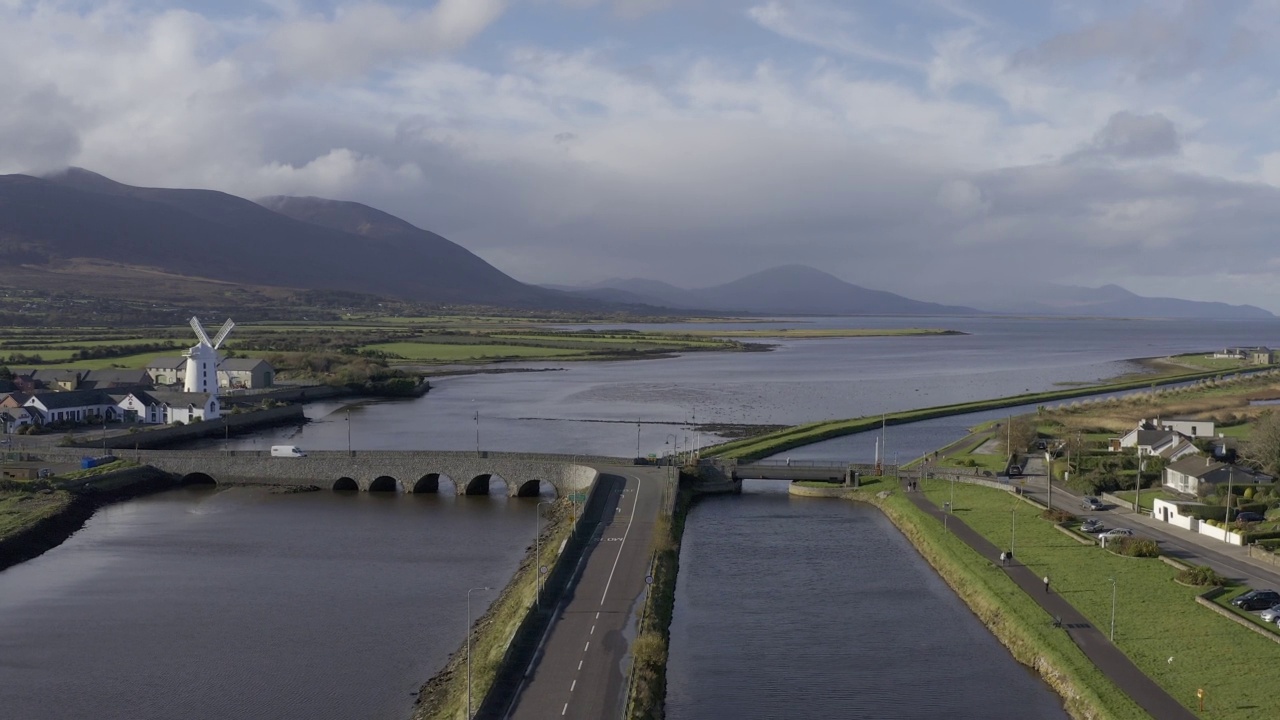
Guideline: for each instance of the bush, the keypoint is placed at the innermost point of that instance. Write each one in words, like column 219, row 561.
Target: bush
column 1058, row 515
column 1201, row 575
column 1134, row 547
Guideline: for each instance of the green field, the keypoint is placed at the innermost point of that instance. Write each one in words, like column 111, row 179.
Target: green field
column 456, row 352
column 1156, row 619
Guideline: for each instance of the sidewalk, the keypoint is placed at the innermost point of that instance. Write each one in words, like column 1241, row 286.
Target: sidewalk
column 1092, row 641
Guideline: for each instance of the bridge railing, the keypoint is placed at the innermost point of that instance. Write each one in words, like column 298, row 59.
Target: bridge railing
column 797, row 464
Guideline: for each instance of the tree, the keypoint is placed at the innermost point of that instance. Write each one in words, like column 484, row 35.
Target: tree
column 1018, row 435
column 1263, row 445
column 5, row 373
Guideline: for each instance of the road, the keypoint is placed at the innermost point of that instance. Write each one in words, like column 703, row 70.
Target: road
column 1228, row 560
column 579, row 672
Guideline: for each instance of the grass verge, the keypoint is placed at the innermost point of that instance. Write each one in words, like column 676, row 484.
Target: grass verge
column 647, row 694
column 1159, row 626
column 444, row 696
column 20, row 509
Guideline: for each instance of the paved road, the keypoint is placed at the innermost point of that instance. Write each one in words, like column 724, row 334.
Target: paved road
column 579, row 672
column 1228, row 560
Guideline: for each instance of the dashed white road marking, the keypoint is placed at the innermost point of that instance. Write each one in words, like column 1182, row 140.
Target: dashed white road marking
column 579, row 664
column 593, row 630
column 566, row 709
column 573, row 685
column 588, row 645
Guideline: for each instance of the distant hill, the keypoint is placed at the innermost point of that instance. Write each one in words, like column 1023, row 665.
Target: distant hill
column 308, row 243
column 786, row 290
column 1110, row 301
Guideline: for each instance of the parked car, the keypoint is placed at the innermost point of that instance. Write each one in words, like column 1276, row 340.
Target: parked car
column 1091, row 526
column 1089, row 502
column 1257, row 600
column 1247, row 516
column 1115, row 534
column 1271, row 614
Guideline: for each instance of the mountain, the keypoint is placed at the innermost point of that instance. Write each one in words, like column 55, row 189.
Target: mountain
column 52, row 222
column 1111, row 301
column 786, row 290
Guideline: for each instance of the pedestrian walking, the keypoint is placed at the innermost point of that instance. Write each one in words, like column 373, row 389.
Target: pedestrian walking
column 1004, row 560
column 1046, row 583
column 1009, row 555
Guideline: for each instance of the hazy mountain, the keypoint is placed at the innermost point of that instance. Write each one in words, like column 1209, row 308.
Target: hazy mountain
column 309, row 243
column 1106, row 301
column 787, row 290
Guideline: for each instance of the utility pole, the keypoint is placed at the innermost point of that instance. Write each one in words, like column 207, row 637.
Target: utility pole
column 637, row 437
column 1231, row 473
column 477, row 433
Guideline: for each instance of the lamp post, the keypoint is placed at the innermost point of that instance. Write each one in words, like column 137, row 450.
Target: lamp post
column 1013, row 526
column 537, row 564
column 1113, row 609
column 477, row 433
column 1231, row 473
column 469, row 647
column 1137, row 485
column 348, row 432
column 637, row 438
column 1048, row 476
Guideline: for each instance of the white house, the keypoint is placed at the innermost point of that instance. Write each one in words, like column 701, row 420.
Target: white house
column 74, row 406
column 13, row 418
column 232, row 372
column 161, row 407
column 1189, row 474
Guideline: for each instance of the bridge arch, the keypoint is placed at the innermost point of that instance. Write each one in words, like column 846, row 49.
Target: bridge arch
column 536, row 488
column 198, row 478
column 345, row 484
column 430, row 483
column 384, row 483
column 483, row 484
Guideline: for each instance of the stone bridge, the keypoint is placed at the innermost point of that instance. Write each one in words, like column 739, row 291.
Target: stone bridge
column 469, row 473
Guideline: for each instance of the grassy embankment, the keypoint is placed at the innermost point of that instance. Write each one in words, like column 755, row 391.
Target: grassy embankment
column 21, row 509
column 771, row 443
column 444, row 697
column 1172, row 639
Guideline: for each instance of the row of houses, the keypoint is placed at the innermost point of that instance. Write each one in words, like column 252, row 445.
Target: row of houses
column 233, row 373
column 152, row 407
column 1186, row 469
column 1255, row 355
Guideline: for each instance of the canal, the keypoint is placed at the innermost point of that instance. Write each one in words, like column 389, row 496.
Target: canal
column 794, row 607
column 212, row 604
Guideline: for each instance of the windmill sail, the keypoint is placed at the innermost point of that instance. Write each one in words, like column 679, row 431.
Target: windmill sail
column 223, row 333
column 200, row 333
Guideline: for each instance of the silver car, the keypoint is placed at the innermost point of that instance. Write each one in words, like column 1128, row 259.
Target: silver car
column 1116, row 534
column 1271, row 614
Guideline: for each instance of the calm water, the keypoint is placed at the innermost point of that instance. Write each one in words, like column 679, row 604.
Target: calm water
column 593, row 407
column 821, row 609
column 208, row 604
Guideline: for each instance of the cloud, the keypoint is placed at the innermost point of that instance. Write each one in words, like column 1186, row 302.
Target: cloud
column 825, row 26
column 364, row 35
column 1130, row 136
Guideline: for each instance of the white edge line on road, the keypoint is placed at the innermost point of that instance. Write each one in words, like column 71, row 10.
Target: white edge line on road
column 635, row 500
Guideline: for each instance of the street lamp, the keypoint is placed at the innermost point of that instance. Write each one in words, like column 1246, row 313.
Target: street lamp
column 1013, row 526
column 348, row 432
column 477, row 433
column 1113, row 609
column 1231, row 474
column 537, row 565
column 1137, row 485
column 469, row 647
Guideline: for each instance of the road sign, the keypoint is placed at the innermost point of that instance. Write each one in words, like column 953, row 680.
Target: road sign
column 648, row 579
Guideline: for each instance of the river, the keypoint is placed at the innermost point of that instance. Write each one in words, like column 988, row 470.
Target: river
column 794, row 607
column 212, row 604
column 239, row 603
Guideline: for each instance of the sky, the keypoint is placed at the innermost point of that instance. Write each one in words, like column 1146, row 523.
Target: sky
column 926, row 147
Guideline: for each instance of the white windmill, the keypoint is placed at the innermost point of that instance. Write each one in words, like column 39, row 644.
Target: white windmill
column 203, row 359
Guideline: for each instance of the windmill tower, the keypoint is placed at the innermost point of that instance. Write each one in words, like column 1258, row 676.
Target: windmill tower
column 203, row 359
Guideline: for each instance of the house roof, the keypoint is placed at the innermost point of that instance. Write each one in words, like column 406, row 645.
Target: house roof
column 167, row 363
column 176, row 397
column 71, row 398
column 1153, row 438
column 1210, row 470
column 243, row 364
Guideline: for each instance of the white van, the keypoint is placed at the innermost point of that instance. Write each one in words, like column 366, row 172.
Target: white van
column 286, row 451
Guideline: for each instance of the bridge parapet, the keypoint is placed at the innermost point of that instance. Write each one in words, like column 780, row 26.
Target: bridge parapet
column 409, row 471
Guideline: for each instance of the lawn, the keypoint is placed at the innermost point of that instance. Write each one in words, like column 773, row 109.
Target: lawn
column 456, row 352
column 20, row 510
column 1172, row 639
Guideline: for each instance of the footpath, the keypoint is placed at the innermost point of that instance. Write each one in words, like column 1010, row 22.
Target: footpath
column 1092, row 641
